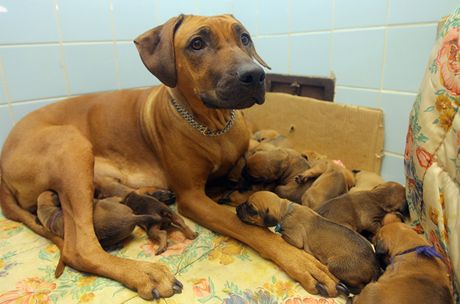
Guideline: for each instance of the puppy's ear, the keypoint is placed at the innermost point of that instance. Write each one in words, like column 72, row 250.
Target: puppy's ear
column 381, row 253
column 269, row 220
column 156, row 48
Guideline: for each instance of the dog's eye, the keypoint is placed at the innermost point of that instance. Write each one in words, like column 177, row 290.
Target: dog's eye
column 251, row 211
column 245, row 39
column 197, row 44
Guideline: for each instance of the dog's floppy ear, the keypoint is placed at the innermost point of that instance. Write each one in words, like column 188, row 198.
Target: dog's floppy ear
column 269, row 220
column 381, row 253
column 252, row 49
column 156, row 48
column 253, row 53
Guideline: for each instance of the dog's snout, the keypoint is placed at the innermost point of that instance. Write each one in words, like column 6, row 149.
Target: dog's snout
column 251, row 74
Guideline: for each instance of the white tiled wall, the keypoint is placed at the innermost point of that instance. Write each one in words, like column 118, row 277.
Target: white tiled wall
column 378, row 49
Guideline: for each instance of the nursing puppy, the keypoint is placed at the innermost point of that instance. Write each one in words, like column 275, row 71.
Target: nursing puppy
column 143, row 204
column 413, row 276
column 332, row 175
column 113, row 222
column 346, row 254
column 364, row 210
column 270, row 164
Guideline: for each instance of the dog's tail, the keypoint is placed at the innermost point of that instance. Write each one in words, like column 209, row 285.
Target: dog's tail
column 13, row 211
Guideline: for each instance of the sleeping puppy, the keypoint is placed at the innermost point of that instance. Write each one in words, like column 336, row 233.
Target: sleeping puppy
column 272, row 137
column 347, row 254
column 273, row 165
column 265, row 167
column 331, row 174
column 143, row 204
column 113, row 222
column 366, row 180
column 364, row 210
column 415, row 274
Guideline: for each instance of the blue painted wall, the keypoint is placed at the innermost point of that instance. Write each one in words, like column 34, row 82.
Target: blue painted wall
column 378, row 49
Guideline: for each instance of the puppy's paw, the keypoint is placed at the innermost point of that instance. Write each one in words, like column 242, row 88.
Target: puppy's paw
column 301, row 179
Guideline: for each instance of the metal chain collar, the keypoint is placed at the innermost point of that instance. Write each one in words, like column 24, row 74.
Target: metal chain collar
column 202, row 128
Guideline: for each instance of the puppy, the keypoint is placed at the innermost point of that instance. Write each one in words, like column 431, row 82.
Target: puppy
column 113, row 222
column 366, row 180
column 416, row 273
column 331, row 174
column 346, row 253
column 144, row 204
column 364, row 210
column 272, row 137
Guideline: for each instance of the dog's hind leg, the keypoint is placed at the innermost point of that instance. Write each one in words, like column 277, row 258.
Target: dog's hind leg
column 70, row 172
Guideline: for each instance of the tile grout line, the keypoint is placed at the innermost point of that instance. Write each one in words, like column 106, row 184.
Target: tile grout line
column 384, row 57
column 6, row 90
column 62, row 58
column 332, row 46
column 116, row 52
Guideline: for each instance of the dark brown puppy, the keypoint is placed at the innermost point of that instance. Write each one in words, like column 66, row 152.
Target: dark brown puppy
column 113, row 222
column 413, row 276
column 346, row 253
column 364, row 210
column 147, row 205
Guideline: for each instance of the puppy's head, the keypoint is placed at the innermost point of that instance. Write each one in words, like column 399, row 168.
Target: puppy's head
column 266, row 135
column 392, row 197
column 395, row 238
column 261, row 209
column 266, row 163
column 210, row 58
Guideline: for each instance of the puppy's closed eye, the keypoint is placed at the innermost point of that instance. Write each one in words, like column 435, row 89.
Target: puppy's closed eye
column 251, row 210
column 269, row 220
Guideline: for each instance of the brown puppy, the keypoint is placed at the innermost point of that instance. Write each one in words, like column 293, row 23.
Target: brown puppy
column 331, row 174
column 364, row 210
column 285, row 167
column 346, row 253
column 366, row 180
column 176, row 136
column 416, row 274
column 142, row 204
column 271, row 137
column 113, row 222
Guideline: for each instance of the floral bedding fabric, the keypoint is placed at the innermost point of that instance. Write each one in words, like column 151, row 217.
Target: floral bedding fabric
column 432, row 155
column 213, row 268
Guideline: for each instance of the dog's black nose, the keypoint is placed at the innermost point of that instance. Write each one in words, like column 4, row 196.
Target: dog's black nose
column 251, row 74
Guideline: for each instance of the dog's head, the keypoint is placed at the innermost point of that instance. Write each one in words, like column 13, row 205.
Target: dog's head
column 261, row 209
column 210, row 58
column 265, row 163
column 392, row 197
column 395, row 238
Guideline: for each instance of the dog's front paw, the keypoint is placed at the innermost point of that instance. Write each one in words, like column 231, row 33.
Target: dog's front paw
column 154, row 281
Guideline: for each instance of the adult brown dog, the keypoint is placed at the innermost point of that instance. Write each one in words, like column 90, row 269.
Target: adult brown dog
column 135, row 139
column 416, row 273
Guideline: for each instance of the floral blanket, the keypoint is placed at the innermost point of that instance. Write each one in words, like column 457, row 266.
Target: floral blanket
column 213, row 268
column 432, row 156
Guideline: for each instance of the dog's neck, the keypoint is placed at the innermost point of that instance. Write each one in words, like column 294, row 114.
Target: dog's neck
column 215, row 119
